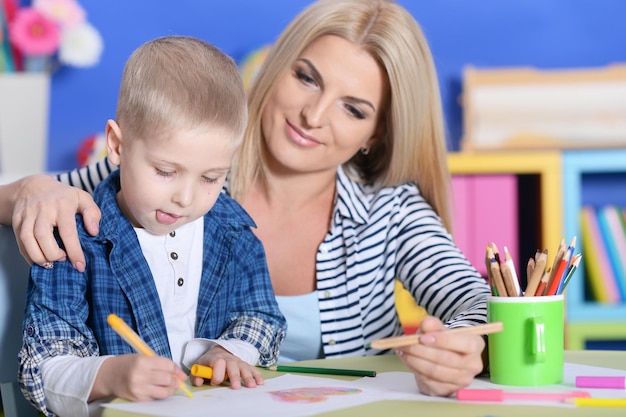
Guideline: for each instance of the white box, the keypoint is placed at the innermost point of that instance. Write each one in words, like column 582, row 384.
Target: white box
column 24, row 112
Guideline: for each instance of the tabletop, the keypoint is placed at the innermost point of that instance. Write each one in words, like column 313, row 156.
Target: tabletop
column 607, row 359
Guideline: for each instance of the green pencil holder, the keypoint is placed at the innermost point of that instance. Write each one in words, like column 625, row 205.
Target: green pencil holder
column 529, row 350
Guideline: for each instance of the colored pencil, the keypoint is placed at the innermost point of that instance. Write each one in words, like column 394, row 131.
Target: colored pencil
column 508, row 280
column 413, row 339
column 494, row 267
column 530, row 267
column 498, row 395
column 598, row 402
column 322, row 371
column 535, row 278
column 572, row 269
column 560, row 273
column 557, row 258
column 543, row 283
column 492, row 284
column 508, row 261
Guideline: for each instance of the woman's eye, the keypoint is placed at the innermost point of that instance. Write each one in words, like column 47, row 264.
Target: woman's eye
column 163, row 173
column 355, row 112
column 209, row 180
column 303, row 76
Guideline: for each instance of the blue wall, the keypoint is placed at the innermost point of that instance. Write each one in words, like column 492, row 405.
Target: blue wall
column 483, row 33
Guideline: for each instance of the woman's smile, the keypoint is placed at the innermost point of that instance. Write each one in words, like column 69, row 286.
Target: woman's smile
column 299, row 138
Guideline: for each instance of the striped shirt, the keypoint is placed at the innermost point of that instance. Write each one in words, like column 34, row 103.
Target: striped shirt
column 375, row 237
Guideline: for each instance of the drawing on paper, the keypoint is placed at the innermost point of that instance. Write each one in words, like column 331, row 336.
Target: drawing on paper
column 310, row 394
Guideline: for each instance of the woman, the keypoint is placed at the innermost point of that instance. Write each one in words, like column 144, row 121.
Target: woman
column 343, row 168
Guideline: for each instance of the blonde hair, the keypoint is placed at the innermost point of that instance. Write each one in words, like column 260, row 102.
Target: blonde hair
column 180, row 82
column 411, row 145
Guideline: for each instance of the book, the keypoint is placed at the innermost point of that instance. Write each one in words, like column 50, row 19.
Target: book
column 615, row 243
column 596, row 262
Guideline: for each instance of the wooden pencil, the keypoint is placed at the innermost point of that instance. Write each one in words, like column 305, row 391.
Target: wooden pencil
column 543, row 283
column 508, row 261
column 492, row 284
column 494, row 267
column 508, row 280
column 414, row 339
column 530, row 267
column 535, row 278
column 557, row 258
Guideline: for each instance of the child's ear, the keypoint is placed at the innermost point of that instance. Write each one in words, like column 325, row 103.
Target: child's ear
column 114, row 142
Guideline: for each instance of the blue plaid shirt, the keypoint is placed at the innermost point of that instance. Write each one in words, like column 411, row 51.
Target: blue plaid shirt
column 66, row 310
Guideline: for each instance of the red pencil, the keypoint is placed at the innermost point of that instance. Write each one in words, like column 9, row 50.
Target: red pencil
column 543, row 283
column 560, row 273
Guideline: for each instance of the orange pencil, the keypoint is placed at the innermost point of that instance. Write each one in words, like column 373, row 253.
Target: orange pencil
column 543, row 283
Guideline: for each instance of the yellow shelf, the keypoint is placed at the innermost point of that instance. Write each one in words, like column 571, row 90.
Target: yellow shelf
column 546, row 165
column 577, row 333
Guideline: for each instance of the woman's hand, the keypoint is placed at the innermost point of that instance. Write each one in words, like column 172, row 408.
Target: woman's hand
column 41, row 203
column 443, row 363
column 137, row 377
column 226, row 365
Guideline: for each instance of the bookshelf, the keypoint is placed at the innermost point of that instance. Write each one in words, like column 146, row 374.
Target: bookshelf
column 524, row 213
column 545, row 196
column 583, row 173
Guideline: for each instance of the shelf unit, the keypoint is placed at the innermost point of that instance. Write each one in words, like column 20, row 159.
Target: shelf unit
column 589, row 320
column 544, row 164
column 545, row 198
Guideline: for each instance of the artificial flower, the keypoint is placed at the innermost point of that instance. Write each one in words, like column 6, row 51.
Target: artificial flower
column 81, row 46
column 32, row 33
column 67, row 13
column 49, row 33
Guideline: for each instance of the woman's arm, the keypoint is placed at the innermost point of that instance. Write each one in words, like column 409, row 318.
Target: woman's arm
column 37, row 204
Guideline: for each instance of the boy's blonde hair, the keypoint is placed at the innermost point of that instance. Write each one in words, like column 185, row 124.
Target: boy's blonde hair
column 180, row 82
column 412, row 139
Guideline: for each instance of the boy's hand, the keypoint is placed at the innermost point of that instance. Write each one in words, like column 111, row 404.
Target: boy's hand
column 137, row 377
column 226, row 365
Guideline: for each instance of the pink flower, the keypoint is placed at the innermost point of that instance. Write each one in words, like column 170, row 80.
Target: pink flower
column 68, row 13
column 32, row 33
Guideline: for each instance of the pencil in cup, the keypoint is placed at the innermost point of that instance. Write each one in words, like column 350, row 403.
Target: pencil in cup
column 413, row 339
column 133, row 339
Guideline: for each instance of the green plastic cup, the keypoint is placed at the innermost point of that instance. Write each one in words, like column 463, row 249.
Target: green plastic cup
column 529, row 350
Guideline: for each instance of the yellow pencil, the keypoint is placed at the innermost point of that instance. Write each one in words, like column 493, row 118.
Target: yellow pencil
column 598, row 402
column 413, row 339
column 137, row 343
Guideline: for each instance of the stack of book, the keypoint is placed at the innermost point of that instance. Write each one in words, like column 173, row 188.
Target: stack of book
column 603, row 232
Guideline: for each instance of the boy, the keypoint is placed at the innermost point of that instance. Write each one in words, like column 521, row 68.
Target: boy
column 175, row 257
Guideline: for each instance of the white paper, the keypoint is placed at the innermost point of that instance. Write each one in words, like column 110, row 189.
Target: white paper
column 265, row 401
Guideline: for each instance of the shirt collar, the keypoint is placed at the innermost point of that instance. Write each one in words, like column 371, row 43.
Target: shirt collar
column 353, row 200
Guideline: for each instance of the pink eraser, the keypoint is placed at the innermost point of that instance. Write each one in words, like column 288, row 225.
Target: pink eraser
column 468, row 394
column 617, row 382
